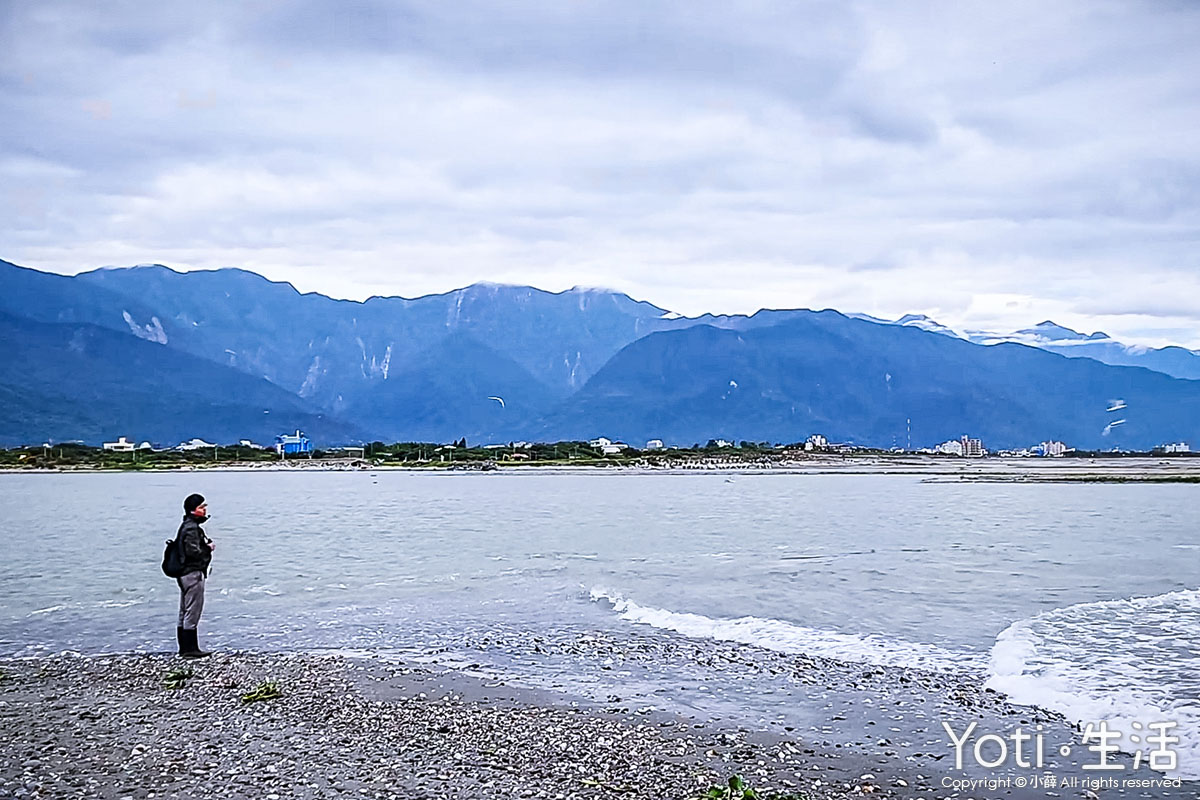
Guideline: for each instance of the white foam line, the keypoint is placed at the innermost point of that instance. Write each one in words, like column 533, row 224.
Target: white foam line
column 1090, row 663
column 49, row 609
column 787, row 637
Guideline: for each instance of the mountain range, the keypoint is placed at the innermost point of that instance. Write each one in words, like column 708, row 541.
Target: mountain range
column 1179, row 362
column 152, row 353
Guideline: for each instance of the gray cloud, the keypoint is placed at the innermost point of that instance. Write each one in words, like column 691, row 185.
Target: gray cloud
column 991, row 165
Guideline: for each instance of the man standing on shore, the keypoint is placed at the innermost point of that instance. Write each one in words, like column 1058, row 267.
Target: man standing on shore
column 197, row 554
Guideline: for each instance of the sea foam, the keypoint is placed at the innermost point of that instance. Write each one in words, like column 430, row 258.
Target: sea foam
column 788, row 637
column 1125, row 661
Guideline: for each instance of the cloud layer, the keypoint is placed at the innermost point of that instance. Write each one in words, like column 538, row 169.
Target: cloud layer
column 990, row 165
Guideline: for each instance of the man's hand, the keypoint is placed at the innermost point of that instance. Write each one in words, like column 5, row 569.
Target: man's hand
column 212, row 546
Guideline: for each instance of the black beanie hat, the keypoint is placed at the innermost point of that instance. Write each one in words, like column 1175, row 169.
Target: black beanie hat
column 193, row 502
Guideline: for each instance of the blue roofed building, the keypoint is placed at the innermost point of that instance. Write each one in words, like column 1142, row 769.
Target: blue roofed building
column 287, row 444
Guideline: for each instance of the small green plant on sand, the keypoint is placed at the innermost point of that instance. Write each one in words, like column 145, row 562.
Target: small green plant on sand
column 736, row 788
column 267, row 690
column 599, row 784
column 177, row 678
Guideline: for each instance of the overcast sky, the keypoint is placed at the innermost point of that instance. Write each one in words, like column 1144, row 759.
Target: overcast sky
column 989, row 164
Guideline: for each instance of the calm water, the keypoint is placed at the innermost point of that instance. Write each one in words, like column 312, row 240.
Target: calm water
column 1080, row 597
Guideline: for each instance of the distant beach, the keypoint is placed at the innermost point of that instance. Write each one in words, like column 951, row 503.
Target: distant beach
column 1144, row 469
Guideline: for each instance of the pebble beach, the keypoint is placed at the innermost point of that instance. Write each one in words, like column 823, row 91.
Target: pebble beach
column 110, row 727
column 156, row 726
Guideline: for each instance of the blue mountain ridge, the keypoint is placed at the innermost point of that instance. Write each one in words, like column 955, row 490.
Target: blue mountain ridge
column 1179, row 362
column 869, row 384
column 1173, row 360
column 68, row 381
column 582, row 363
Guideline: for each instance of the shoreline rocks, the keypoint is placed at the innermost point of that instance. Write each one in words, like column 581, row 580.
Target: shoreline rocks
column 113, row 726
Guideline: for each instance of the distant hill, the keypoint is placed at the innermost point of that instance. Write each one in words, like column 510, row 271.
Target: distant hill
column 46, row 297
column 71, row 381
column 858, row 381
column 1179, row 362
column 457, row 387
column 1172, row 360
column 337, row 351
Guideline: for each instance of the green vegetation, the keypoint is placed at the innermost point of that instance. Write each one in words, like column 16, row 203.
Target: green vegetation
column 567, row 453
column 736, row 788
column 267, row 690
column 177, row 678
column 459, row 455
column 75, row 456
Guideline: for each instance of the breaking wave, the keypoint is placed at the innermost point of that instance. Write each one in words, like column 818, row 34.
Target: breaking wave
column 788, row 637
column 1129, row 662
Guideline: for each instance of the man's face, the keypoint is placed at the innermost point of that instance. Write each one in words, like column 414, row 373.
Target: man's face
column 201, row 510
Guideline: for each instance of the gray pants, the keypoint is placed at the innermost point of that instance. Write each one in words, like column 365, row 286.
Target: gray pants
column 191, row 599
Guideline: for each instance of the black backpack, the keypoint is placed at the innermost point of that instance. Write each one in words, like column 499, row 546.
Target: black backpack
column 172, row 565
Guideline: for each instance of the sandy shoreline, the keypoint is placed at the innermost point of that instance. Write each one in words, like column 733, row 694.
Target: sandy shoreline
column 106, row 726
column 935, row 469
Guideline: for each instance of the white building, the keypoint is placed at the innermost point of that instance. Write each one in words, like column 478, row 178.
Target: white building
column 816, row 442
column 971, row 448
column 251, row 445
column 723, row 443
column 121, row 445
column 194, row 444
column 1178, row 447
column 1053, row 449
column 951, row 448
column 613, row 448
column 601, row 442
column 655, row 444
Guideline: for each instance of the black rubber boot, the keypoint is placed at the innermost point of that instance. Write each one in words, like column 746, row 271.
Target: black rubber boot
column 192, row 646
column 181, row 639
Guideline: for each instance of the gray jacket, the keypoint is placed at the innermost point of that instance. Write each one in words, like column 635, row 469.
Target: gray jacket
column 196, row 553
